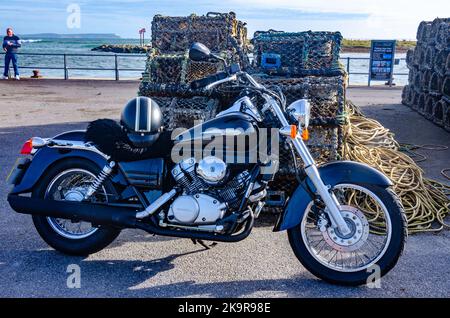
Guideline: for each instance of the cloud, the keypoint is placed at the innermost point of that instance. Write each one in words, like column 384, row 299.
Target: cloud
column 355, row 18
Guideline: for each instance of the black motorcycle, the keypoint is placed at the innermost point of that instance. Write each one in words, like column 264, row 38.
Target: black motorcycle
column 343, row 221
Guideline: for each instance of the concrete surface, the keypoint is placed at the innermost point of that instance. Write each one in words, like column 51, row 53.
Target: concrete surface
column 140, row 265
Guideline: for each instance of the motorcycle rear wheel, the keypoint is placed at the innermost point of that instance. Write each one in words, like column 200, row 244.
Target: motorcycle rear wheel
column 347, row 260
column 72, row 238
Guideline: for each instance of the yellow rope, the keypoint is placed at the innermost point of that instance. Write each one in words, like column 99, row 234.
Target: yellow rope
column 425, row 201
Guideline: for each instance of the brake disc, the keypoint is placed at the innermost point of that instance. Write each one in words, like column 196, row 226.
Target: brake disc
column 359, row 231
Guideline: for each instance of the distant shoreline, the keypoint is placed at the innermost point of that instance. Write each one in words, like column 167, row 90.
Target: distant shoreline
column 367, row 50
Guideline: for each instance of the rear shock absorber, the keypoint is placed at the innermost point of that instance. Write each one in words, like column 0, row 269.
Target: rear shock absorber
column 102, row 176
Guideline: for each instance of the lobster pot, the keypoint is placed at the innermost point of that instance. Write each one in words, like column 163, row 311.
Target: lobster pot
column 405, row 95
column 446, row 86
column 323, row 145
column 424, row 31
column 430, row 56
column 428, row 86
column 440, row 109
column 323, row 51
column 443, row 34
column 178, row 69
column 421, row 103
column 446, row 112
column 297, row 54
column 218, row 31
column 326, row 94
column 410, row 58
column 419, row 55
column 440, row 61
column 430, row 102
column 435, row 84
column 181, row 112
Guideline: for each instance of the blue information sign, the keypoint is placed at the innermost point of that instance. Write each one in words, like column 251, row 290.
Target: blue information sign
column 382, row 56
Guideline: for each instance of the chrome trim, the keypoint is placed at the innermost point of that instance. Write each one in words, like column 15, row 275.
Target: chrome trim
column 78, row 145
column 300, row 111
column 152, row 208
column 67, row 132
column 225, row 80
column 332, row 205
column 149, row 116
column 199, row 228
column 258, row 196
column 286, row 131
column 137, row 114
column 211, row 169
column 38, row 142
column 252, row 80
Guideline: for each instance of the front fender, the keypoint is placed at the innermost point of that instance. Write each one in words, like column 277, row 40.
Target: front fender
column 332, row 173
column 47, row 156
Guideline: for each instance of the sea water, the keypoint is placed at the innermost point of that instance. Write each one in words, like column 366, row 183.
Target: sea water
column 106, row 60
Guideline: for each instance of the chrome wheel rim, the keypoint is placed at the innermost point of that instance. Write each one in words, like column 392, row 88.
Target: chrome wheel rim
column 358, row 251
column 71, row 185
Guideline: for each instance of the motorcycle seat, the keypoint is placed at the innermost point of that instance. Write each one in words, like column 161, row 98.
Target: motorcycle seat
column 107, row 135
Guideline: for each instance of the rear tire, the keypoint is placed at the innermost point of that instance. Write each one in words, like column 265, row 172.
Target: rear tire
column 94, row 242
column 385, row 263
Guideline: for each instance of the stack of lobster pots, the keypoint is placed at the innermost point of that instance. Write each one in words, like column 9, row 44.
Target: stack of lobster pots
column 428, row 89
column 168, row 64
column 305, row 65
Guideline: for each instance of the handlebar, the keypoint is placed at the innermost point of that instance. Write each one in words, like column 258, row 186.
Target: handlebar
column 208, row 80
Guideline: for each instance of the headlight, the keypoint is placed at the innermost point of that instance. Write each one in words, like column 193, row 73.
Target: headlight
column 300, row 110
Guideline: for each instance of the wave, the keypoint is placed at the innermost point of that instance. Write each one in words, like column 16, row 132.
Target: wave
column 31, row 41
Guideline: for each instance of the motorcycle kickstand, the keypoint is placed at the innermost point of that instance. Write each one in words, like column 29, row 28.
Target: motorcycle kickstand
column 205, row 245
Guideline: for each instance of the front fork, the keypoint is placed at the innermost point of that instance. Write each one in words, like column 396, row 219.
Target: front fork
column 333, row 207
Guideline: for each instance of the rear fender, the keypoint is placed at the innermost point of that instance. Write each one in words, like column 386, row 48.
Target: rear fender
column 45, row 157
column 333, row 173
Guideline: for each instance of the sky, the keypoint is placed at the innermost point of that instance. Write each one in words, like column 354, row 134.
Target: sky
column 355, row 19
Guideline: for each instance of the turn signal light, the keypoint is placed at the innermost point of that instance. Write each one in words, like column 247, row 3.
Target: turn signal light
column 305, row 134
column 293, row 131
column 27, row 147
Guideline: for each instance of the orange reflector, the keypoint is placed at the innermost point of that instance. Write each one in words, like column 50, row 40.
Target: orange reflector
column 27, row 147
column 293, row 131
column 305, row 134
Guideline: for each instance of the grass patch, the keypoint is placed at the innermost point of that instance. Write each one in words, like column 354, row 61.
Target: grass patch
column 365, row 44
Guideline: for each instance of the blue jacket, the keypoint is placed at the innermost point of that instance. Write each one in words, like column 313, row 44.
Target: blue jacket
column 15, row 43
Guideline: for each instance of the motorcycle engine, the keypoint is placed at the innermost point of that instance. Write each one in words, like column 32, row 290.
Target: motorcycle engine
column 207, row 192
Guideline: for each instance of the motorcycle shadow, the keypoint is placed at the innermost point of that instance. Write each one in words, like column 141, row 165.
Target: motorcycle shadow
column 45, row 273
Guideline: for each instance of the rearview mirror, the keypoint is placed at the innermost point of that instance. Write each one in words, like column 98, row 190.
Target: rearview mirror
column 199, row 52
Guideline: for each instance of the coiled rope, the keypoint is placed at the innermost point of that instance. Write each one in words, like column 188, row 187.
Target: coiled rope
column 426, row 201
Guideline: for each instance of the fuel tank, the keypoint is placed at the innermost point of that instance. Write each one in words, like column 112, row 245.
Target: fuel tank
column 232, row 137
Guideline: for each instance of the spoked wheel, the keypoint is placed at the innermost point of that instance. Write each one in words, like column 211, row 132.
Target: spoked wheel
column 72, row 185
column 376, row 221
column 69, row 181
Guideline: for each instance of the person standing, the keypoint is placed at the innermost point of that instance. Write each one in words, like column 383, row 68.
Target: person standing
column 11, row 43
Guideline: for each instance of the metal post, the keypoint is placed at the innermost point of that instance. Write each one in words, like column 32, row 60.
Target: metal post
column 348, row 70
column 116, row 66
column 66, row 72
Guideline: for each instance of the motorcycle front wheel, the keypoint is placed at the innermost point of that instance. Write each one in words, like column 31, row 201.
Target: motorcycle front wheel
column 377, row 223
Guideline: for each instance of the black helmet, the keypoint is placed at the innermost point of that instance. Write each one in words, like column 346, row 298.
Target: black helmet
column 142, row 120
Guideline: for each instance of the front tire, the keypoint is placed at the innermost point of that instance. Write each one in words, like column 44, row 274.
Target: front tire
column 72, row 241
column 346, row 272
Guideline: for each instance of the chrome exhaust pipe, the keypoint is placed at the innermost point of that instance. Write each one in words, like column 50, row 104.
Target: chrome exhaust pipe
column 152, row 208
